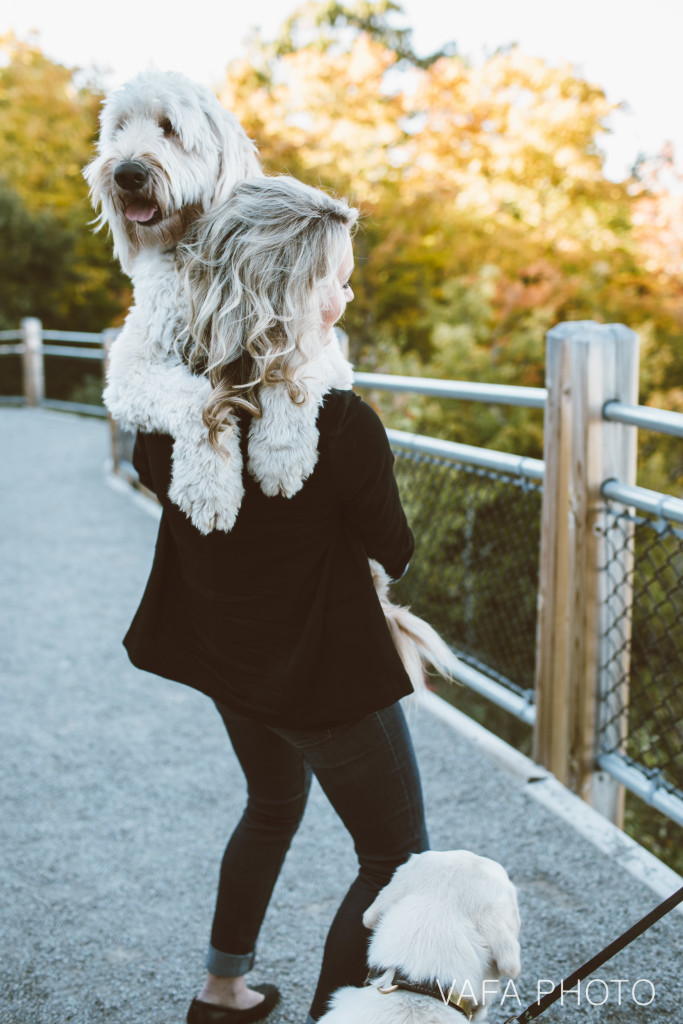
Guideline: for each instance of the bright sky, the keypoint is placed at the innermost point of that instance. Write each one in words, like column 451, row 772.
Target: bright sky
column 631, row 48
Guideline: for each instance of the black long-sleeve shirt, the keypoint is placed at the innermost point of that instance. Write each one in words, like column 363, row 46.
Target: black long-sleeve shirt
column 279, row 619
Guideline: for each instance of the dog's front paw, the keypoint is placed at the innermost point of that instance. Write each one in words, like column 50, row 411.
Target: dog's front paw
column 283, row 443
column 207, row 484
column 281, row 469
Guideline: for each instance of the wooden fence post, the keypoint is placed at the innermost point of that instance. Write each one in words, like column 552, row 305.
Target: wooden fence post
column 34, row 367
column 587, row 365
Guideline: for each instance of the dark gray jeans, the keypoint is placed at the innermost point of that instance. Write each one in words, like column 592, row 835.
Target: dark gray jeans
column 369, row 773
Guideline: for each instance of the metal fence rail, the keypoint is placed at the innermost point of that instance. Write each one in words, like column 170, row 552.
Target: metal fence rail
column 661, row 420
column 33, row 344
column 81, row 345
column 496, row 394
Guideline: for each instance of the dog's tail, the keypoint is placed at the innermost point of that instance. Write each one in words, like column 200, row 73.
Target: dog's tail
column 419, row 645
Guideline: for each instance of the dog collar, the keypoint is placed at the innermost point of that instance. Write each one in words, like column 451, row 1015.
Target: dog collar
column 431, row 988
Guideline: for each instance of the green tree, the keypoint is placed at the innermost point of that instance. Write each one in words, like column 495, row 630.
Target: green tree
column 36, row 262
column 48, row 125
column 487, row 215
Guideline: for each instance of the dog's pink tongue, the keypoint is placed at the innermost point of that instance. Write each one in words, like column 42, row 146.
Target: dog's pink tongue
column 140, row 212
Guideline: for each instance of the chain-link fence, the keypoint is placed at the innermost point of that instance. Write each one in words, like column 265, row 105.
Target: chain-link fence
column 641, row 719
column 474, row 575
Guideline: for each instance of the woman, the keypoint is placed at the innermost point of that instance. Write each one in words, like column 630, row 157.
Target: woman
column 278, row 620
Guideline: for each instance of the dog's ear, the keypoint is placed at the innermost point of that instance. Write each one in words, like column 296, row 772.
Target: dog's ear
column 374, row 912
column 397, row 888
column 503, row 938
column 238, row 156
column 506, row 952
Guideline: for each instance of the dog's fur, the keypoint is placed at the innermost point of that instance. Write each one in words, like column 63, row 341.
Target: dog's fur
column 188, row 151
column 418, row 644
column 444, row 917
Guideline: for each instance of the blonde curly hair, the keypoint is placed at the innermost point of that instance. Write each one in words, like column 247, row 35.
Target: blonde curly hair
column 258, row 273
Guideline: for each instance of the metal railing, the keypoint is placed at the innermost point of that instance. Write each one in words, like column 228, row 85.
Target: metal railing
column 496, row 394
column 32, row 343
column 481, row 517
column 477, row 518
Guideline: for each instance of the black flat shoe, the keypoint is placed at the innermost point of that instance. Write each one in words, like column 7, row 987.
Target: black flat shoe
column 209, row 1013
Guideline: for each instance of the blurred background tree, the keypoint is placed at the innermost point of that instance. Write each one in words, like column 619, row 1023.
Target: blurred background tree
column 487, row 215
column 52, row 265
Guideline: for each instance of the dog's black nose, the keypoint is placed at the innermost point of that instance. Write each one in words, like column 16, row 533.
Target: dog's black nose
column 131, row 175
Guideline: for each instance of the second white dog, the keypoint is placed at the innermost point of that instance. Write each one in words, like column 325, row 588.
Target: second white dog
column 445, row 930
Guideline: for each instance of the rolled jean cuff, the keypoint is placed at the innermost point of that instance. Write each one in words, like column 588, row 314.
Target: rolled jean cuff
column 228, row 965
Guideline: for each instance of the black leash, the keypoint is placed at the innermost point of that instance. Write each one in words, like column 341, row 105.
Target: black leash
column 537, row 1008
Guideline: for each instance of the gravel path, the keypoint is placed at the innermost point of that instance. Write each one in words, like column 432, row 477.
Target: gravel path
column 119, row 789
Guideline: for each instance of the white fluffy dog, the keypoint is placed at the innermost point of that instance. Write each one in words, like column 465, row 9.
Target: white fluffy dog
column 168, row 152
column 445, row 930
